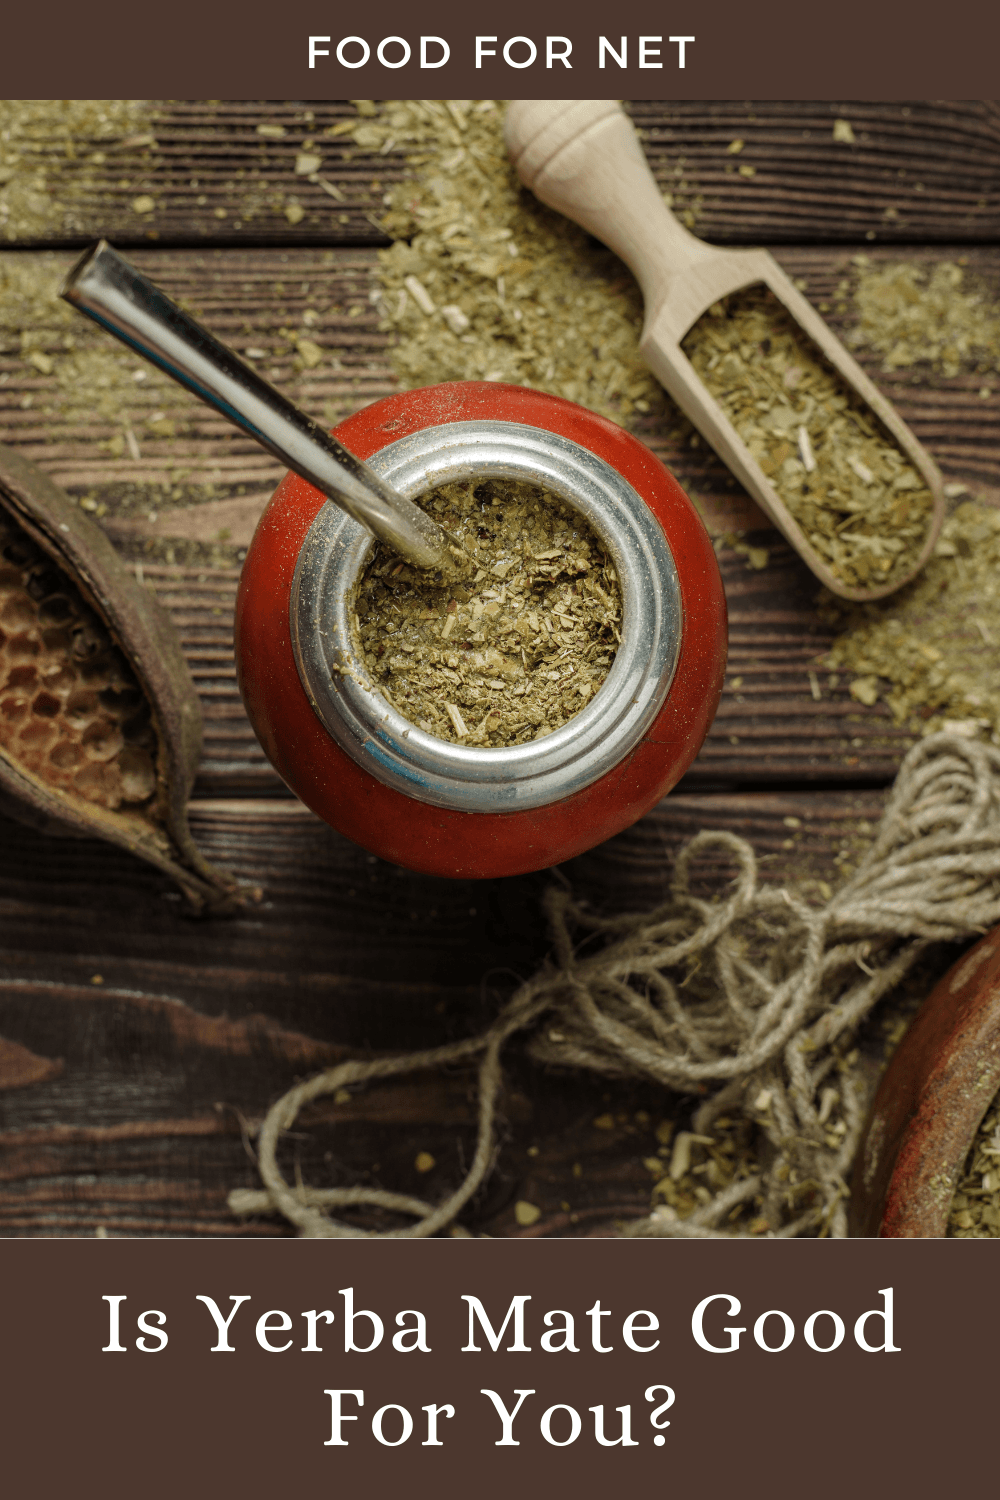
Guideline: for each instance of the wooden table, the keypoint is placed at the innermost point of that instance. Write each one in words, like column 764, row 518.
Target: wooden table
column 139, row 1046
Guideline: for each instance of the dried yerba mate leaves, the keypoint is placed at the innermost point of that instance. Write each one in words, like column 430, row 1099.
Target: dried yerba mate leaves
column 861, row 503
column 512, row 653
column 100, row 728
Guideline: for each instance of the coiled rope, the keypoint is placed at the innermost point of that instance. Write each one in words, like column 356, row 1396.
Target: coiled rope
column 757, row 992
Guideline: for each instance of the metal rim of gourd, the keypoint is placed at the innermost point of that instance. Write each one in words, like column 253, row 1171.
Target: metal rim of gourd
column 476, row 779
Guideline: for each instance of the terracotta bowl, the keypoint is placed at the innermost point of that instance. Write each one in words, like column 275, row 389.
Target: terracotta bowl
column 931, row 1103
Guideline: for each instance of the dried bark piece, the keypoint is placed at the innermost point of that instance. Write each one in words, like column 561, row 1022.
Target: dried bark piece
column 100, row 727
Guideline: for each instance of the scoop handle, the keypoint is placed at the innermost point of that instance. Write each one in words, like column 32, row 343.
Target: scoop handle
column 583, row 158
column 121, row 300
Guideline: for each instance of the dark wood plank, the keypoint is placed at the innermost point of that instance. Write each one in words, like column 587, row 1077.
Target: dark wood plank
column 270, row 300
column 917, row 171
column 201, row 172
column 210, row 173
column 261, row 302
column 148, row 1081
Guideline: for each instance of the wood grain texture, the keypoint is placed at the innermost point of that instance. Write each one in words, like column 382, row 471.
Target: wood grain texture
column 138, row 1046
column 212, row 176
column 173, row 1035
column 916, row 172
column 267, row 300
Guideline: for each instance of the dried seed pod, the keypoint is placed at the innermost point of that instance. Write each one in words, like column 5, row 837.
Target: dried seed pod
column 100, row 727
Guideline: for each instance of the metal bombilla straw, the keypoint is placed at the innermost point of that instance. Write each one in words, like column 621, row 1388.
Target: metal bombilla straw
column 115, row 295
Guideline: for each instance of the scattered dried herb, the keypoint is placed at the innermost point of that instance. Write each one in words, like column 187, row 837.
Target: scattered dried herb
column 518, row 650
column 486, row 283
column 100, row 731
column 930, row 652
column 62, row 376
column 860, row 502
column 689, row 1169
column 975, row 1208
column 93, row 380
column 913, row 314
column 52, row 152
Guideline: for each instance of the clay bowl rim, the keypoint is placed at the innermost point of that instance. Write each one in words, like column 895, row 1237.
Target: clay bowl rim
column 930, row 1104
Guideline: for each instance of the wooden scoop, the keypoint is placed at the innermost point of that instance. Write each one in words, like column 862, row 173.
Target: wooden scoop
column 583, row 158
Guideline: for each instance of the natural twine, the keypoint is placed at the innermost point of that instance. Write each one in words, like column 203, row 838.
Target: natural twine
column 758, row 993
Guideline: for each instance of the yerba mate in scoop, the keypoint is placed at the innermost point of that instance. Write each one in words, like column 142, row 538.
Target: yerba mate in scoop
column 582, row 157
column 861, row 504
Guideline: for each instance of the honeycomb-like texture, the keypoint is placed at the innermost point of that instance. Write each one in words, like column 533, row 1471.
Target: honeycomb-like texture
column 71, row 711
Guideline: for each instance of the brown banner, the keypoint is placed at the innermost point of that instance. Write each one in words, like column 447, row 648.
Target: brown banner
column 201, row 1368
column 773, row 49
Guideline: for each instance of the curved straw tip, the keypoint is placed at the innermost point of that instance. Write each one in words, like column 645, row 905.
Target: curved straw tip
column 78, row 269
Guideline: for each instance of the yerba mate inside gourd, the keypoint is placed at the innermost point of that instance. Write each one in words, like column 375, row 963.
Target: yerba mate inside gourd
column 71, row 711
column 857, row 497
column 517, row 650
